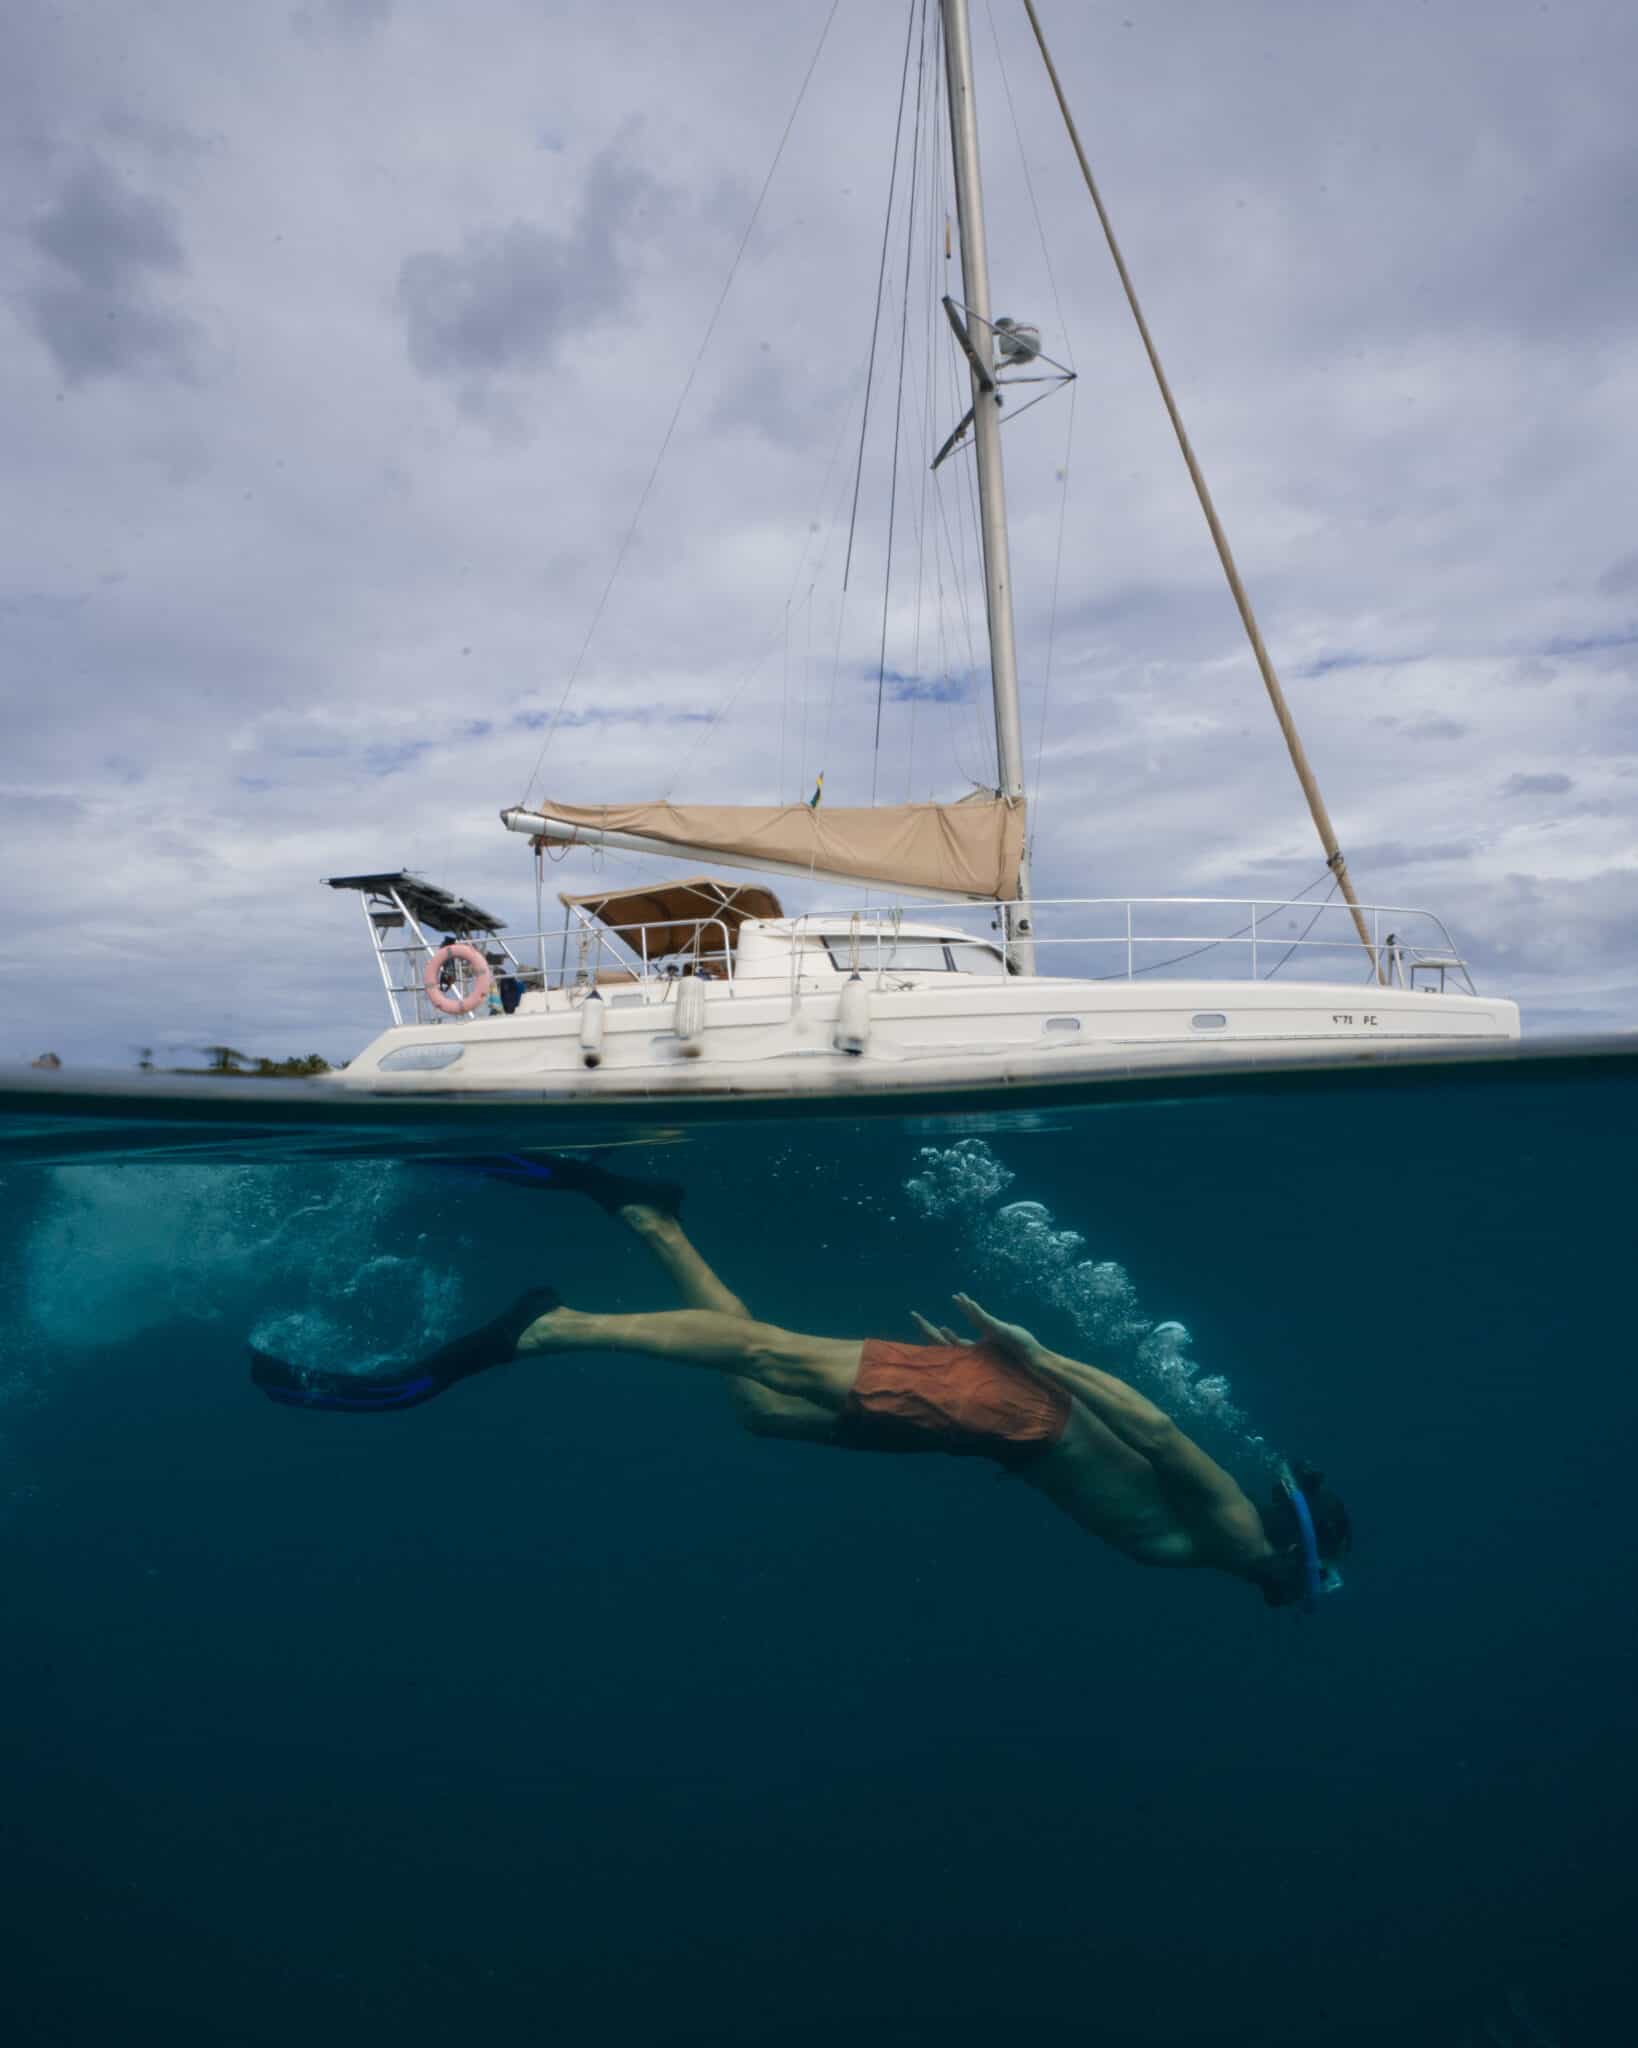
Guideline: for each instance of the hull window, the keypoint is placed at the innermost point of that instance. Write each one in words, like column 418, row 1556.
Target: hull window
column 420, row 1059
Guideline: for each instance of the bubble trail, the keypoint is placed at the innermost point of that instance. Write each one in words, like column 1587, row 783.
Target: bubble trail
column 286, row 1256
column 1020, row 1244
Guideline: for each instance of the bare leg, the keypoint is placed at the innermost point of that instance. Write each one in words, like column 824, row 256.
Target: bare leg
column 668, row 1244
column 817, row 1370
column 760, row 1409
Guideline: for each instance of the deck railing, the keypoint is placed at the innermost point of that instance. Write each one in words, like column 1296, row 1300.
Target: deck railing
column 1127, row 938
column 587, row 953
column 1095, row 938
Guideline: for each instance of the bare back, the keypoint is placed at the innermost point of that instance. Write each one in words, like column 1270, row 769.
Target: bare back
column 1116, row 1493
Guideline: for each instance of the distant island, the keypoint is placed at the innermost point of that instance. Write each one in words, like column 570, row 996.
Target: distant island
column 227, row 1059
column 222, row 1059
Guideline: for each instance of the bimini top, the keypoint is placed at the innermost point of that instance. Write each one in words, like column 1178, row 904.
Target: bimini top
column 672, row 911
column 425, row 902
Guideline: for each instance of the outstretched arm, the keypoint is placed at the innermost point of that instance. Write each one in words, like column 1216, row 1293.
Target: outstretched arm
column 1198, row 1487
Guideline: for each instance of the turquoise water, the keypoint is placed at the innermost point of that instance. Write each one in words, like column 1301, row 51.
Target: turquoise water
column 558, row 1709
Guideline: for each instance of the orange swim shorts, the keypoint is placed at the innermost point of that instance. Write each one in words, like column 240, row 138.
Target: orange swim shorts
column 964, row 1399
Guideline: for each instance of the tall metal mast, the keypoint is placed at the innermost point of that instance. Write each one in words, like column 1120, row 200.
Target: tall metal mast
column 978, row 341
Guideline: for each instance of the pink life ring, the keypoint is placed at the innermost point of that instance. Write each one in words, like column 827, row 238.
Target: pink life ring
column 456, row 1006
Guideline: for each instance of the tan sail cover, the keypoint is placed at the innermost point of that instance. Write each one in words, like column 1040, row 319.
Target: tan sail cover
column 971, row 848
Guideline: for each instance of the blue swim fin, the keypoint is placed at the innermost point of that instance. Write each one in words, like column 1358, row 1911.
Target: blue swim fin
column 551, row 1173
column 405, row 1386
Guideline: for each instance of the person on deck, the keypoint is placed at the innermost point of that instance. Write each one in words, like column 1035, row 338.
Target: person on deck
column 1117, row 1465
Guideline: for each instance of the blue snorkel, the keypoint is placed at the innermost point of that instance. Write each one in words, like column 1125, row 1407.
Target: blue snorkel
column 1318, row 1579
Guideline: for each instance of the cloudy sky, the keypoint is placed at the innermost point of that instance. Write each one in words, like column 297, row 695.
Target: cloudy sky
column 339, row 340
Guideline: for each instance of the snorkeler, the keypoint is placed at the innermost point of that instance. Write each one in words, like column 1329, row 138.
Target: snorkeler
column 1099, row 1450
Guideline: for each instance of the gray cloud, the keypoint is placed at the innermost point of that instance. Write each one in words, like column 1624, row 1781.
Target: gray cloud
column 598, row 715
column 164, row 142
column 1438, row 729
column 107, row 247
column 105, row 236
column 1540, row 924
column 1549, row 783
column 769, row 400
column 41, row 813
column 934, row 689
column 1620, row 577
column 510, row 300
column 1395, row 853
column 347, row 17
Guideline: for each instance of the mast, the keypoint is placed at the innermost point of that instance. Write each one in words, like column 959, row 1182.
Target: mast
column 978, row 341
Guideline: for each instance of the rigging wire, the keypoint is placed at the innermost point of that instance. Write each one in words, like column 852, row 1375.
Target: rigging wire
column 784, row 697
column 682, row 400
column 807, row 672
column 933, row 536
column 881, row 280
column 1029, row 185
column 955, row 542
column 1052, row 624
column 816, row 524
column 924, row 424
column 957, row 705
column 964, row 488
column 898, row 408
column 964, row 720
column 686, row 759
column 870, row 379
column 1271, row 682
column 1303, row 934
column 971, row 526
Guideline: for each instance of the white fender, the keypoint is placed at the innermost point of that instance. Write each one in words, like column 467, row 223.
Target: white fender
column 852, row 1032
column 690, row 1020
column 591, row 1029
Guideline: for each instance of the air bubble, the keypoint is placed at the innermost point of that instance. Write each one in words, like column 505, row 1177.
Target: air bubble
column 1019, row 1246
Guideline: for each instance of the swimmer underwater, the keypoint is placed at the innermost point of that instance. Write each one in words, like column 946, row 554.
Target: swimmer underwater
column 1116, row 1464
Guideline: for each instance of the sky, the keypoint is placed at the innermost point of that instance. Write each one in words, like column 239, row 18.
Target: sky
column 341, row 343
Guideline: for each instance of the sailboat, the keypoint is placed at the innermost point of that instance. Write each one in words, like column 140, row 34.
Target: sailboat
column 961, row 979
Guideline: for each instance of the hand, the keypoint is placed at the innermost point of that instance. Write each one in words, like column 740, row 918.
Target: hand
column 936, row 1331
column 1012, row 1340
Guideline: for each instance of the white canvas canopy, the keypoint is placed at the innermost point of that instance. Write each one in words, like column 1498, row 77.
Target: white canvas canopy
column 973, row 848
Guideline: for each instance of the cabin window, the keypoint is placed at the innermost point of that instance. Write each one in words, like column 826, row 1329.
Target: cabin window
column 972, row 957
column 1208, row 1020
column 887, row 955
column 913, row 956
column 1061, row 1027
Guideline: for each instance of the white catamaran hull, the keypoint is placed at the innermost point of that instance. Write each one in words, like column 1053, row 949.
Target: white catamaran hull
column 759, row 1042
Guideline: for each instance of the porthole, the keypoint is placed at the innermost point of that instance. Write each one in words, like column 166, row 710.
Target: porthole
column 1208, row 1020
column 1060, row 1027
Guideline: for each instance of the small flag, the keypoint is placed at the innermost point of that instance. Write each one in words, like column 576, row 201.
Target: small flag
column 818, row 792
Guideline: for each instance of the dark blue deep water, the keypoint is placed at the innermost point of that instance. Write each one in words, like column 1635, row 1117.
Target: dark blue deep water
column 558, row 1710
